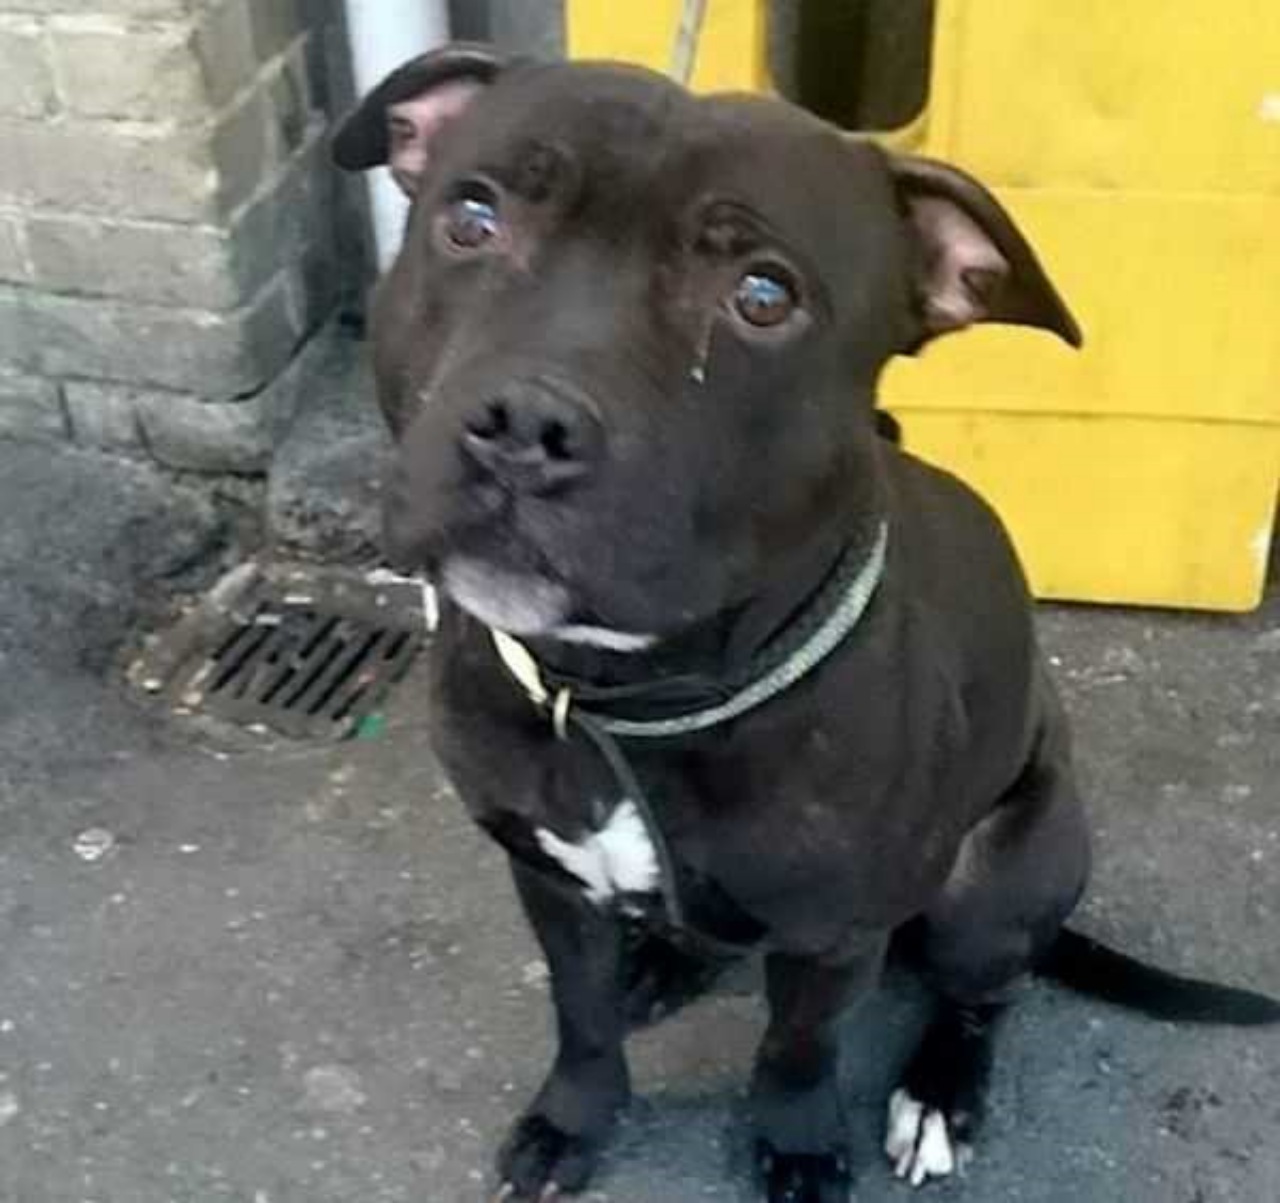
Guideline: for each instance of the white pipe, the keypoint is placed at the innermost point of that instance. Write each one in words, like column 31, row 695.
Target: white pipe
column 383, row 34
column 684, row 54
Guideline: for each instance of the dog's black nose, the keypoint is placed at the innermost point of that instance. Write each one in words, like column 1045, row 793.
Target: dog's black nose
column 533, row 438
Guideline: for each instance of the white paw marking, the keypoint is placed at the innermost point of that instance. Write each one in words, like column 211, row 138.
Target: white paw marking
column 919, row 1142
column 617, row 859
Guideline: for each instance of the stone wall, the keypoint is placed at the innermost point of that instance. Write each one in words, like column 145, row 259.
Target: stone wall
column 167, row 230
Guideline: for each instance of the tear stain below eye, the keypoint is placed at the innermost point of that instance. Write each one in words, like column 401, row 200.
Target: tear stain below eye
column 702, row 353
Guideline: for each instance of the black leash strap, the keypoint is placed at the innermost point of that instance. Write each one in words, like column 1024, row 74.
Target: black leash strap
column 631, row 789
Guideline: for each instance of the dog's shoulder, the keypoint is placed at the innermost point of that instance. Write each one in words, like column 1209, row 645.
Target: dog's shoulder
column 949, row 538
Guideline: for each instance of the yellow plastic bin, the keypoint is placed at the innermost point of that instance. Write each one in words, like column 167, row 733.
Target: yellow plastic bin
column 1138, row 145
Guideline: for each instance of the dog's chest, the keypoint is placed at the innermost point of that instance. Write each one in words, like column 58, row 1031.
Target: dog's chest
column 616, row 861
column 651, row 862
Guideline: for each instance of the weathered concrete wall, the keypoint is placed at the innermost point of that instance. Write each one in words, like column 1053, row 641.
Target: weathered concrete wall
column 167, row 233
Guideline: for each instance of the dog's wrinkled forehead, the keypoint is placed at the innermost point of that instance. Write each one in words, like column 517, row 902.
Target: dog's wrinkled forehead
column 626, row 140
column 613, row 119
column 608, row 111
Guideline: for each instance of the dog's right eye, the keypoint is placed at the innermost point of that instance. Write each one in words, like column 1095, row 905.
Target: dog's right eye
column 471, row 222
column 764, row 298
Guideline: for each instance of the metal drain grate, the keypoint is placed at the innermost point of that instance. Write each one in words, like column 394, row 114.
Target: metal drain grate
column 306, row 652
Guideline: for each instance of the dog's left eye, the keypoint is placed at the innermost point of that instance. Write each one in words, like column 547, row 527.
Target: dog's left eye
column 471, row 222
column 764, row 299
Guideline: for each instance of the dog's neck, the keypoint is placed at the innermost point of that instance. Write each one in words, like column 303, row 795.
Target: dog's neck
column 721, row 648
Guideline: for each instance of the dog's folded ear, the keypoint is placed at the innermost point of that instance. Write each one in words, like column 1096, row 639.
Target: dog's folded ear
column 972, row 263
column 397, row 121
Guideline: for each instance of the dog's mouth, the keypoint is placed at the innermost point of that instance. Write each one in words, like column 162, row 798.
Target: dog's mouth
column 532, row 567
column 487, row 561
column 531, row 604
column 517, row 601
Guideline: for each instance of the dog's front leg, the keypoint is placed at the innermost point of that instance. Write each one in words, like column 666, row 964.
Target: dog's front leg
column 795, row 1098
column 555, row 1145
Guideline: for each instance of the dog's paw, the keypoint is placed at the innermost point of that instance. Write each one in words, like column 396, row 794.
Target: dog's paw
column 921, row 1143
column 803, row 1177
column 538, row 1161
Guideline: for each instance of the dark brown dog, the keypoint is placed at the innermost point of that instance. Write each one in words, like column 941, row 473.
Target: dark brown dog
column 779, row 687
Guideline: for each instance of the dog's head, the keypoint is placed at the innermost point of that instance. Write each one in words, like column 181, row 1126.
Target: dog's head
column 630, row 346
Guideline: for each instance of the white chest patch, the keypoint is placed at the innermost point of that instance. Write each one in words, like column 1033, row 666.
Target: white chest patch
column 617, row 859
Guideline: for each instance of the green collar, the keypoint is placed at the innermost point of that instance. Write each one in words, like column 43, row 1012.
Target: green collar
column 830, row 627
